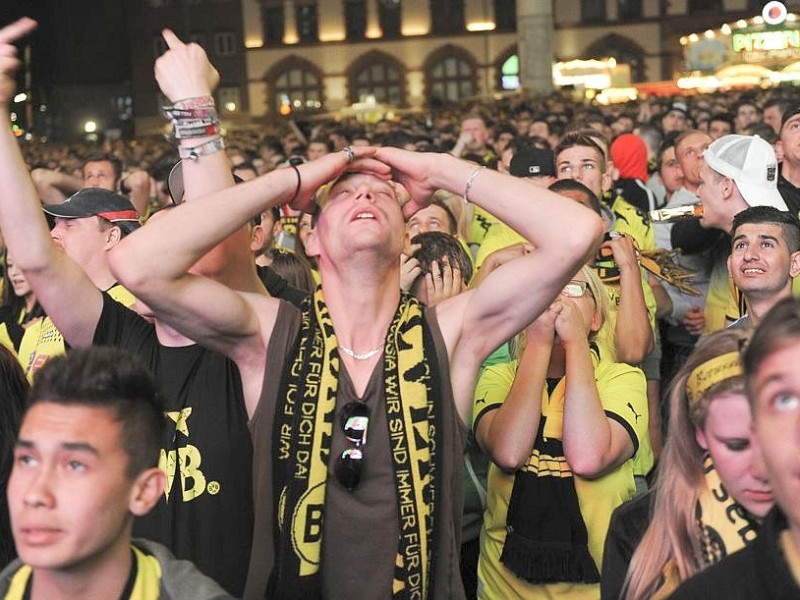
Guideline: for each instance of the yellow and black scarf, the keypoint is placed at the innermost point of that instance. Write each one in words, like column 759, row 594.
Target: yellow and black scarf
column 303, row 432
column 723, row 525
column 546, row 537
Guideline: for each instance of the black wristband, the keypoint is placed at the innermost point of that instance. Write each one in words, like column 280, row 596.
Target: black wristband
column 299, row 183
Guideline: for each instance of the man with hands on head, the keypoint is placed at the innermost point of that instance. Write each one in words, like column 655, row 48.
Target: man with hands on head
column 359, row 358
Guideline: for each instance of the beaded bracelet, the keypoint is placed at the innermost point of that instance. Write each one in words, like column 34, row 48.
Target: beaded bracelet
column 470, row 179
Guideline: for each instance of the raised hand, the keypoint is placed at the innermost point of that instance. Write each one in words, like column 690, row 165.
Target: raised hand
column 409, row 269
column 184, row 70
column 413, row 170
column 443, row 282
column 316, row 173
column 9, row 63
column 623, row 249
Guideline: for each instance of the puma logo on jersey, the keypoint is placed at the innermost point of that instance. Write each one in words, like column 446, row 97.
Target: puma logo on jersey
column 633, row 410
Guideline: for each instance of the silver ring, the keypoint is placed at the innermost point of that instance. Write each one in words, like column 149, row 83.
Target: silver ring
column 350, row 154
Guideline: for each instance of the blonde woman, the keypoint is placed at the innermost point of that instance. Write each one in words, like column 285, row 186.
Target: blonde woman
column 561, row 425
column 710, row 492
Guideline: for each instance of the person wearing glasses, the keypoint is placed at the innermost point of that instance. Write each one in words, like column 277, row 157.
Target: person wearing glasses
column 561, row 424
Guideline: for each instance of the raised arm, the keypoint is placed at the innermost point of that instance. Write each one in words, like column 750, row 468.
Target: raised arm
column 187, row 78
column 594, row 443
column 633, row 332
column 563, row 234
column 154, row 261
column 507, row 433
column 53, row 187
column 66, row 293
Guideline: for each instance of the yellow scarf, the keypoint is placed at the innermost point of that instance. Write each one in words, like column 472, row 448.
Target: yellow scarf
column 303, row 431
column 723, row 525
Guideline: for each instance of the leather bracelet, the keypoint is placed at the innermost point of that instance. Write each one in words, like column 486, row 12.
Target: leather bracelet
column 299, row 183
column 209, row 147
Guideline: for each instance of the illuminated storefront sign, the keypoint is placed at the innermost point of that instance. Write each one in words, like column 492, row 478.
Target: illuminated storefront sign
column 760, row 46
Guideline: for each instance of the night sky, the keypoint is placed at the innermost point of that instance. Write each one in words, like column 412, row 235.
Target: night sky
column 78, row 41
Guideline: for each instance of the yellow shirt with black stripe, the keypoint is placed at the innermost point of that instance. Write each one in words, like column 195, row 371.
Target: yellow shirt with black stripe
column 623, row 394
column 42, row 340
column 144, row 582
column 634, row 223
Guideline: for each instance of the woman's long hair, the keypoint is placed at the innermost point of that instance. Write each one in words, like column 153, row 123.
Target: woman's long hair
column 17, row 304
column 672, row 535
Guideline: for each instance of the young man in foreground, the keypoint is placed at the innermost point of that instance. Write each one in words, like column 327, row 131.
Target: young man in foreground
column 85, row 466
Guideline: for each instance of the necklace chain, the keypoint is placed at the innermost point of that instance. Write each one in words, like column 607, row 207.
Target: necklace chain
column 365, row 356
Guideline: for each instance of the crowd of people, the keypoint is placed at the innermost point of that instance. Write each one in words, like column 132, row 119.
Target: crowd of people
column 465, row 354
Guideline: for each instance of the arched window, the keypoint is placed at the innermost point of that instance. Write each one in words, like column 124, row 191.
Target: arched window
column 379, row 76
column 450, row 75
column 624, row 50
column 507, row 69
column 296, row 83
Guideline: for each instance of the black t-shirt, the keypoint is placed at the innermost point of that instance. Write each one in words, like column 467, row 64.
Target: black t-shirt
column 757, row 572
column 790, row 195
column 206, row 514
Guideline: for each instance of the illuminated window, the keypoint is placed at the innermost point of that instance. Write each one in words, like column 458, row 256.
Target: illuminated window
column 509, row 73
column 449, row 76
column 377, row 76
column 296, row 87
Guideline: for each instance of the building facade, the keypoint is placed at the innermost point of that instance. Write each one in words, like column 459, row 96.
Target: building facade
column 214, row 24
column 305, row 57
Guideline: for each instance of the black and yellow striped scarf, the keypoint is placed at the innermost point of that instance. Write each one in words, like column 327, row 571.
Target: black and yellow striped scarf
column 303, row 432
column 723, row 525
column 546, row 537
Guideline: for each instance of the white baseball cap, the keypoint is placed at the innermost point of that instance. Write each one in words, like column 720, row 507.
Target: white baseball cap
column 750, row 161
